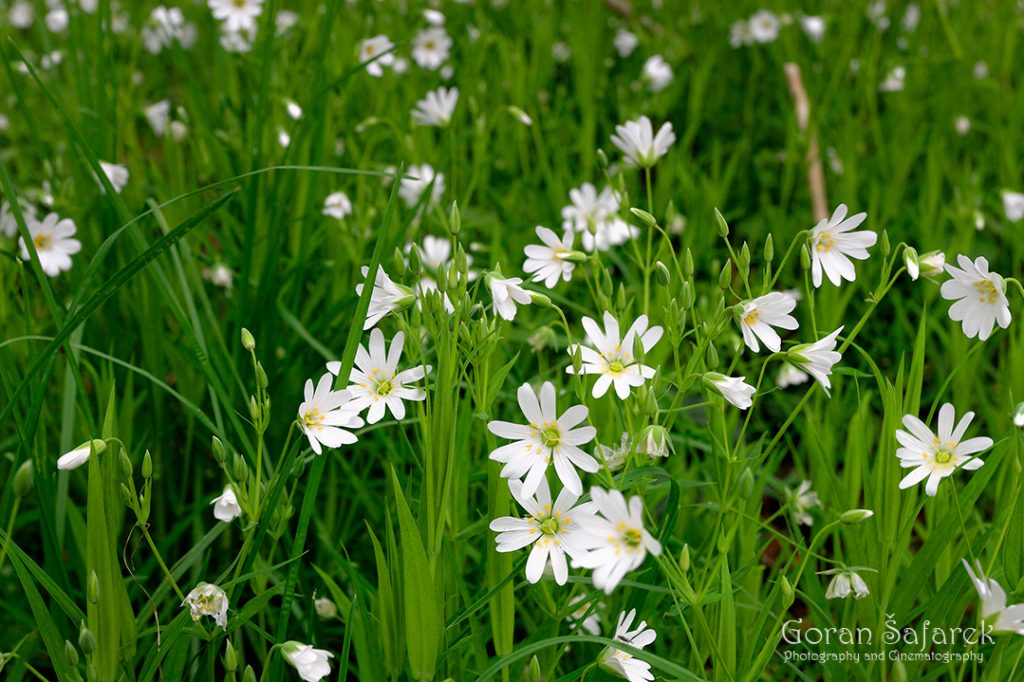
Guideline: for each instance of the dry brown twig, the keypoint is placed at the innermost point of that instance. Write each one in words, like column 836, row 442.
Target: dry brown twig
column 815, row 170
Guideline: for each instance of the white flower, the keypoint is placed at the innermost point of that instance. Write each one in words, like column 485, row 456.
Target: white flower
column 165, row 26
column 817, row 359
column 814, row 27
column 1018, row 416
column 325, row 608
column 625, row 42
column 936, row 456
column 430, row 47
column 657, row 73
column 56, row 20
column 546, row 437
column 226, row 507
column 80, row 455
column 373, row 47
column 764, row 26
column 800, row 502
column 21, row 15
column 236, row 15
column 734, row 389
column 220, row 275
column 158, row 115
column 433, row 17
column 416, row 180
column 285, row 20
column 208, row 600
column 561, row 52
column 241, row 41
column 619, row 542
column 376, row 382
column 547, row 263
column 638, row 143
column 759, row 315
column 612, row 354
column 844, row 583
column 623, row 664
column 116, row 173
column 739, row 34
column 293, row 109
column 554, row 531
column 8, row 223
column 311, row 663
column 894, row 81
column 962, row 125
column 386, row 296
column 586, row 615
column 179, row 131
column 52, row 237
column 980, row 297
column 833, row 245
column 911, row 17
column 596, row 217
column 337, row 205
column 790, row 376
column 1008, row 619
column 1013, row 205
column 325, row 414
column 654, row 441
column 436, row 108
column 506, row 293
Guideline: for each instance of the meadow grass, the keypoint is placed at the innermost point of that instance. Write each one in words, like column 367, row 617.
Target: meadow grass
column 212, row 286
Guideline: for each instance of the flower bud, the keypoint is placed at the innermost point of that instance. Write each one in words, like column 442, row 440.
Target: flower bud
column 248, row 342
column 899, row 671
column 126, row 463
column 688, row 262
column 787, row 591
column 746, row 483
column 725, row 276
column 544, row 337
column 24, row 479
column 70, row 653
column 93, row 589
column 540, row 300
column 805, row 257
column 249, row 675
column 886, row 248
column 602, row 159
column 454, row 218
column 261, row 376
column 1018, row 416
column 398, row 264
column 415, row 259
column 147, row 465
column 744, row 260
column 769, row 249
column 86, row 640
column 853, row 516
column 723, row 227
column 219, row 453
column 661, row 274
column 910, row 259
column 230, row 657
column 241, row 468
column 533, row 673
column 645, row 217
column 684, row 558
column 712, row 357
column 620, row 299
column 254, row 410
column 686, row 296
column 126, row 494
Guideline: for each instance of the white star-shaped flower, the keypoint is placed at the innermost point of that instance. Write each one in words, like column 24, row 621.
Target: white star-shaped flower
column 934, row 456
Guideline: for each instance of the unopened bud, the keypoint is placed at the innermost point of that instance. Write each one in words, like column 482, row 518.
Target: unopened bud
column 249, row 675
column 126, row 463
column 454, row 218
column 261, row 376
column 910, row 259
column 856, row 515
column 126, row 494
column 70, row 653
column 787, row 590
column 644, row 217
column 684, row 558
column 686, row 296
column 744, row 260
column 886, row 248
column 661, row 274
column 769, row 249
column 86, row 640
column 533, row 673
column 688, row 261
column 415, row 259
column 746, row 483
column 805, row 257
column 241, row 468
column 219, row 453
column 723, row 227
column 540, row 300
column 230, row 657
column 712, row 357
column 248, row 342
column 93, row 589
column 398, row 264
column 24, row 479
column 725, row 276
column 147, row 465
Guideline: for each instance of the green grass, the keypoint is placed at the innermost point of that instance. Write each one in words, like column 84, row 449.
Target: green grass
column 133, row 343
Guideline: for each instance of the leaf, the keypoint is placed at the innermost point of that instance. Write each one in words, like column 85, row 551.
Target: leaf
column 52, row 639
column 423, row 624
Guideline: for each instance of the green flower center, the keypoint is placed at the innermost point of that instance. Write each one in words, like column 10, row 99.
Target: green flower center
column 632, row 537
column 549, row 526
column 551, row 436
column 616, row 366
column 943, row 456
column 383, row 387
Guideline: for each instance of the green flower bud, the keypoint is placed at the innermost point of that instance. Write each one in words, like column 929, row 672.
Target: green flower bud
column 769, row 249
column 688, row 261
column 787, row 591
column 723, row 227
column 454, row 218
column 684, row 559
column 93, row 589
column 686, row 296
column 577, row 257
column 712, row 358
column 661, row 274
column 886, row 248
column 249, row 675
column 725, row 276
column 126, row 463
column 899, row 671
column 241, row 468
column 853, row 516
column 24, row 479
column 126, row 494
column 805, row 257
column 744, row 260
column 230, row 657
column 539, row 300
column 645, row 217
column 261, row 376
column 86, row 640
column 602, row 159
column 147, row 465
column 70, row 653
column 398, row 266
column 415, row 259
column 219, row 453
column 620, row 300
column 746, row 483
column 533, row 674
column 248, row 342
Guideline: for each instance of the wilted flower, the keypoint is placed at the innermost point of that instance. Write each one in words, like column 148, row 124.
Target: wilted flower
column 934, row 456
column 800, row 501
column 553, row 530
column 654, row 441
column 980, row 297
column 544, row 438
column 614, row 457
column 226, row 507
column 313, row 664
column 208, row 600
column 619, row 541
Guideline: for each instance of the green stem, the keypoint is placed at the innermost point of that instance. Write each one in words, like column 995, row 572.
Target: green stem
column 10, row 529
column 160, row 560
